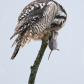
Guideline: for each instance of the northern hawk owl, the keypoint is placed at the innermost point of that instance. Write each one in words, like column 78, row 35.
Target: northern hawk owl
column 35, row 19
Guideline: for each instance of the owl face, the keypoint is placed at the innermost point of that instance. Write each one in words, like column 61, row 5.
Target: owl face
column 60, row 17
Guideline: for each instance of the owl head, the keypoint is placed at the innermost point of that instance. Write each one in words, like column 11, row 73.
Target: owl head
column 60, row 17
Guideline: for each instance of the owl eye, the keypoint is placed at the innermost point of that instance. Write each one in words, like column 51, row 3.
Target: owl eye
column 61, row 22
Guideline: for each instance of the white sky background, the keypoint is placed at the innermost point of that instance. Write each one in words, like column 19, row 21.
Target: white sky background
column 64, row 67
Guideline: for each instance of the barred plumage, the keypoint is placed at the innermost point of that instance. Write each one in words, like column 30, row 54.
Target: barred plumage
column 34, row 20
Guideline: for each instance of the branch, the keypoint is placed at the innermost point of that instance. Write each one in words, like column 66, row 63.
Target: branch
column 36, row 64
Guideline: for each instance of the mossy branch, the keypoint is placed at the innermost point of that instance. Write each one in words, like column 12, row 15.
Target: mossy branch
column 36, row 64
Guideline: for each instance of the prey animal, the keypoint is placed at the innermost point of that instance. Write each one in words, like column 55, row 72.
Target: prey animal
column 53, row 40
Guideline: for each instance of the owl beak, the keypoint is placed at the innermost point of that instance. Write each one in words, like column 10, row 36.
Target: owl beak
column 57, row 29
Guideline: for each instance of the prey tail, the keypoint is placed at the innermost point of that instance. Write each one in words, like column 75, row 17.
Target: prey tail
column 49, row 54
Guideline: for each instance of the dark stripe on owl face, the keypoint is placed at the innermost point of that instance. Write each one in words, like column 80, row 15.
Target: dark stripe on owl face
column 55, row 25
column 60, row 17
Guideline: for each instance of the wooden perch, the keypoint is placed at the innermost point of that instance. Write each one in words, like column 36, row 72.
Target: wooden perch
column 36, row 64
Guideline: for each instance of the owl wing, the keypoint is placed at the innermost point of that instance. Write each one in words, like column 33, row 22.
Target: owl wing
column 32, row 14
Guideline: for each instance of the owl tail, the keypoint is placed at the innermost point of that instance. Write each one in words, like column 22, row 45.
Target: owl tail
column 18, row 42
column 13, row 35
column 16, row 49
